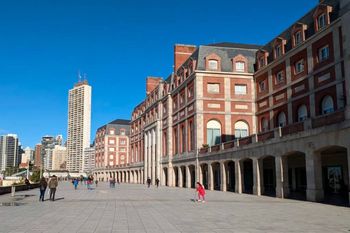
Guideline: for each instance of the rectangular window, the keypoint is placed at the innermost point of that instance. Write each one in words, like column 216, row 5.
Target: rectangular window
column 241, row 133
column 321, row 21
column 213, row 137
column 298, row 38
column 279, row 77
column 190, row 92
column 213, row 88
column 213, row 64
column 278, row 51
column 122, row 149
column 240, row 66
column 299, row 66
column 262, row 86
column 191, row 146
column 240, row 89
column 323, row 53
column 111, row 149
column 261, row 62
column 112, row 142
column 111, row 132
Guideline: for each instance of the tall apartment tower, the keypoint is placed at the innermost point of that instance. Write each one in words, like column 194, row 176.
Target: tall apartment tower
column 8, row 151
column 79, row 124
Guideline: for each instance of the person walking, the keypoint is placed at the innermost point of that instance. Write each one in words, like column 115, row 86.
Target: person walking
column 201, row 192
column 96, row 182
column 157, row 182
column 42, row 188
column 75, row 183
column 149, row 182
column 53, row 183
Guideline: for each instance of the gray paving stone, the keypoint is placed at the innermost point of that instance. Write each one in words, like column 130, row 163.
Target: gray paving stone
column 135, row 208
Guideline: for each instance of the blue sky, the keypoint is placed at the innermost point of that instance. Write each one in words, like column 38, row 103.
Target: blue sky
column 117, row 44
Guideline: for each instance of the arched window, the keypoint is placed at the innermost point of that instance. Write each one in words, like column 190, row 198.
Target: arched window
column 327, row 105
column 302, row 113
column 213, row 132
column 241, row 129
column 264, row 124
column 281, row 119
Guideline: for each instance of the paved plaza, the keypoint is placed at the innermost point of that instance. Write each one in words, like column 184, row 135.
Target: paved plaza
column 135, row 208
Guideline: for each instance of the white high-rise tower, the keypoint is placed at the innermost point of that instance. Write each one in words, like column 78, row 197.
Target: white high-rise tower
column 79, row 124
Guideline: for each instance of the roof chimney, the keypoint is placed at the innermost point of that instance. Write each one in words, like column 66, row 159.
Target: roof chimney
column 152, row 83
column 182, row 53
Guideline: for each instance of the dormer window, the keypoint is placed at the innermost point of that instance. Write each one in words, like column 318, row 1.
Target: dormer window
column 299, row 66
column 298, row 38
column 278, row 51
column 213, row 64
column 240, row 66
column 261, row 62
column 321, row 21
column 322, row 16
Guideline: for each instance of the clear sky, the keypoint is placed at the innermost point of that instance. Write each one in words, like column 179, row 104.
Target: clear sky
column 117, row 44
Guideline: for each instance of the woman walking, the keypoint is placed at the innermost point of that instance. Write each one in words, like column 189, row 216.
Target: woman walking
column 43, row 186
column 201, row 192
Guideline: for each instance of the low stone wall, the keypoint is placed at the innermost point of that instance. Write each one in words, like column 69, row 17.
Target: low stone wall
column 22, row 187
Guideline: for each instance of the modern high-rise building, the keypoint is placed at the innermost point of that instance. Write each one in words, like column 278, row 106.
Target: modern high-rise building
column 79, row 121
column 48, row 143
column 37, row 156
column 8, row 151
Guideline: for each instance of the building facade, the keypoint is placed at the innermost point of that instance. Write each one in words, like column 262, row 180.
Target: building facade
column 265, row 120
column 59, row 157
column 79, row 124
column 89, row 159
column 9, row 151
column 112, row 145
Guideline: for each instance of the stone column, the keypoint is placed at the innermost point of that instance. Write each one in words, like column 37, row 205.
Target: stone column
column 149, row 156
column 188, row 177
column 154, row 148
column 179, row 175
column 256, row 176
column 145, row 163
column 348, row 157
column 210, row 177
column 314, row 190
column 238, row 177
column 285, row 176
column 223, row 185
column 279, row 177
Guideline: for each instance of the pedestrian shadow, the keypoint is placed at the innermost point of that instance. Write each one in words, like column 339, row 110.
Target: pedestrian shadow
column 60, row 198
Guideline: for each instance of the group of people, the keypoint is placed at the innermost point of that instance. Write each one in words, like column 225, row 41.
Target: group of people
column 149, row 182
column 52, row 184
column 112, row 182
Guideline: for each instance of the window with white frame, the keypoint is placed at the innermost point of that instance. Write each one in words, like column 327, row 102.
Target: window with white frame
column 323, row 53
column 122, row 142
column 321, row 21
column 327, row 105
column 262, row 86
column 278, row 51
column 264, row 124
column 299, row 66
column 261, row 62
column 111, row 141
column 281, row 119
column 240, row 89
column 122, row 150
column 213, row 133
column 213, row 64
column 240, row 66
column 280, row 77
column 111, row 149
column 111, row 163
column 298, row 38
column 111, row 132
column 190, row 92
column 302, row 113
column 241, row 129
column 213, row 88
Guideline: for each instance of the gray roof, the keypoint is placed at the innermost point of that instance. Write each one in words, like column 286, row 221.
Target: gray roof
column 118, row 124
column 307, row 20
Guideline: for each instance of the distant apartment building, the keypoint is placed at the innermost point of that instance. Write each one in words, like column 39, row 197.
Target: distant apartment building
column 89, row 159
column 48, row 144
column 59, row 155
column 265, row 120
column 28, row 155
column 79, row 121
column 37, row 156
column 9, row 154
column 112, row 144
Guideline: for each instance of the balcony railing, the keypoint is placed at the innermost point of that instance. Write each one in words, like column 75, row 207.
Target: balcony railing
column 328, row 119
column 320, row 121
